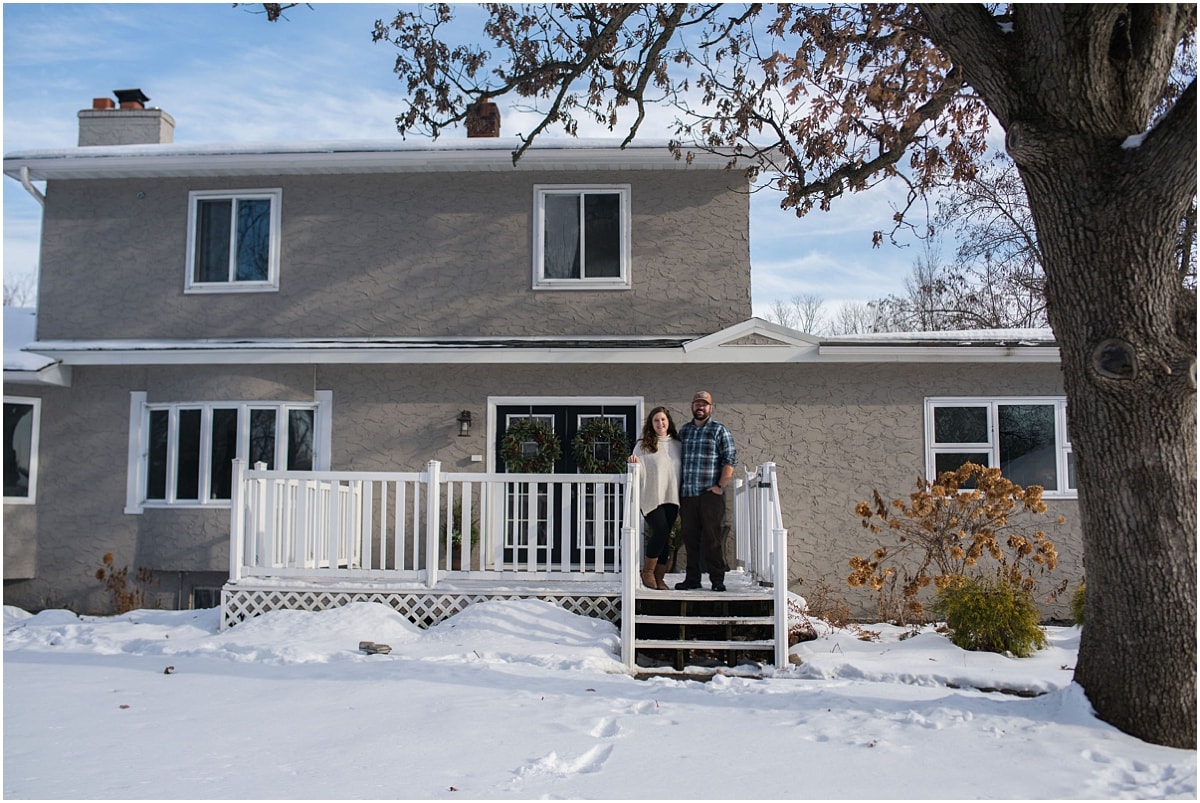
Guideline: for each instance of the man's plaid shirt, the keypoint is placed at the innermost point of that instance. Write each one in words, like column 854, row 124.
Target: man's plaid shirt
column 706, row 450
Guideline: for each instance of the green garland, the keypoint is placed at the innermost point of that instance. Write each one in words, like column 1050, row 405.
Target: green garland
column 522, row 431
column 601, row 429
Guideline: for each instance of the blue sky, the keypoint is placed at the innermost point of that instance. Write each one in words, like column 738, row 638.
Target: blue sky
column 227, row 75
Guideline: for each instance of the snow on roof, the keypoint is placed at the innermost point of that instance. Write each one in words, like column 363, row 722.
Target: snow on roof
column 958, row 337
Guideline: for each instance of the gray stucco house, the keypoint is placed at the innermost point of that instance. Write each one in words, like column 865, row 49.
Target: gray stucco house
column 375, row 306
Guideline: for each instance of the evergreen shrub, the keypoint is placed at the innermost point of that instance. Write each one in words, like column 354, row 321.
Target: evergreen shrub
column 989, row 614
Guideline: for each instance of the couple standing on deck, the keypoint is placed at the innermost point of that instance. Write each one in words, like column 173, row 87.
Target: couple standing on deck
column 684, row 474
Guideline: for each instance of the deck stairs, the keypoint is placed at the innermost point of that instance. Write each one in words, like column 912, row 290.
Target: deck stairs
column 702, row 629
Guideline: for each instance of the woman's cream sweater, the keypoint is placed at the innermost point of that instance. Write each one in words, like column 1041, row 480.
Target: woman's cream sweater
column 661, row 472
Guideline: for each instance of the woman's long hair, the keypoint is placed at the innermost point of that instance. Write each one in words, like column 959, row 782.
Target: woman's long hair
column 649, row 439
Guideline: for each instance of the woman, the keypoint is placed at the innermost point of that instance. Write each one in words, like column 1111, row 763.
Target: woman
column 660, row 454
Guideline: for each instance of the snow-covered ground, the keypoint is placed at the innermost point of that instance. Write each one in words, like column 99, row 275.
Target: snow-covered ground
column 522, row 699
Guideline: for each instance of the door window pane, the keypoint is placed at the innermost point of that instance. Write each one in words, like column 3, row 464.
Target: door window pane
column 1028, row 455
column 960, row 425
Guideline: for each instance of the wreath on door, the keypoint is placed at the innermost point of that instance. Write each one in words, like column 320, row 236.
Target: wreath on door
column 609, row 434
column 519, row 458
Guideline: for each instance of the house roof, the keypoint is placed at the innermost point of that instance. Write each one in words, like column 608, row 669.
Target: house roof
column 348, row 156
column 752, row 341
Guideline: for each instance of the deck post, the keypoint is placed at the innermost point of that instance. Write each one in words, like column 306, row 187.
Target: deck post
column 779, row 567
column 432, row 521
column 630, row 563
column 237, row 519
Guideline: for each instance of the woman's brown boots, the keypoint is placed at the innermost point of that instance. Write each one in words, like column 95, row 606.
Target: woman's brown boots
column 648, row 573
column 660, row 571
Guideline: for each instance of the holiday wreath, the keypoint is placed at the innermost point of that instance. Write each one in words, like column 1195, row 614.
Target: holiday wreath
column 530, row 447
column 601, row 447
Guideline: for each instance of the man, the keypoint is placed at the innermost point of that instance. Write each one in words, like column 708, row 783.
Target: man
column 708, row 460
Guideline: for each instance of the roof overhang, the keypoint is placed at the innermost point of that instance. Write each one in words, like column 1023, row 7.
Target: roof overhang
column 351, row 156
column 754, row 341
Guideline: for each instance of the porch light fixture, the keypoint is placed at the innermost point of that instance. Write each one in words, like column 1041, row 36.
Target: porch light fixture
column 464, row 423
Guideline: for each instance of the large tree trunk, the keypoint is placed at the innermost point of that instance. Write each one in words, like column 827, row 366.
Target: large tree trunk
column 1115, row 297
column 1070, row 85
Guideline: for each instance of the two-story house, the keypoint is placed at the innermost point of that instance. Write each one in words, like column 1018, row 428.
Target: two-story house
column 375, row 306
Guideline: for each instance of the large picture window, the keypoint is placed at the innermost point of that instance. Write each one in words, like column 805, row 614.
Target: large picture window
column 233, row 241
column 1026, row 439
column 582, row 237
column 184, row 452
column 22, row 423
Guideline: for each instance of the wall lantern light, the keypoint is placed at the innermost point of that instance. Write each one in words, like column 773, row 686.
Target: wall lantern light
column 464, row 423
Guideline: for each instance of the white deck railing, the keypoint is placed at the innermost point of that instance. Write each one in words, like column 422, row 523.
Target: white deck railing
column 415, row 526
column 418, row 527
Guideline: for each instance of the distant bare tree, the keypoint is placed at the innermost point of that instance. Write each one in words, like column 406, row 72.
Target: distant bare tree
column 20, row 290
column 803, row 313
column 854, row 318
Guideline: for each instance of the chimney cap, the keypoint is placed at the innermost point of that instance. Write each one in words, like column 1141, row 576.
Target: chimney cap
column 130, row 96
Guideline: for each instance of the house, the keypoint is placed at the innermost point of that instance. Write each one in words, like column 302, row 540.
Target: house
column 397, row 308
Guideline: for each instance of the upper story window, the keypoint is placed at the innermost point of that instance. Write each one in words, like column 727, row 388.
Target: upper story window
column 22, row 424
column 233, row 241
column 581, row 237
column 1026, row 438
column 182, row 453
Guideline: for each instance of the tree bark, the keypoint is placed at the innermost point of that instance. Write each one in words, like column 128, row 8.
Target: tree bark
column 1070, row 86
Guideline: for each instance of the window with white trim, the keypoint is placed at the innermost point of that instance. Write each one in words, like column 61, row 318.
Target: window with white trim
column 184, row 451
column 22, row 427
column 581, row 237
column 233, row 241
column 1026, row 438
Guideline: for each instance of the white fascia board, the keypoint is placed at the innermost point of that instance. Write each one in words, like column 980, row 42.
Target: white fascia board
column 365, row 353
column 333, row 158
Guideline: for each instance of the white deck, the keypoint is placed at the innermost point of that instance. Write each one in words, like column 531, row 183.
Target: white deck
column 316, row 540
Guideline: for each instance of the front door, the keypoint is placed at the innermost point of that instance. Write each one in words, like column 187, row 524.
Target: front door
column 542, row 529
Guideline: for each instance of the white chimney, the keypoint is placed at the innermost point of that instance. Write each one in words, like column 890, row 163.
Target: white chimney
column 130, row 124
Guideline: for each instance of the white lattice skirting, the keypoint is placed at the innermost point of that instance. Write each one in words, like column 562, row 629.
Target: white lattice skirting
column 423, row 608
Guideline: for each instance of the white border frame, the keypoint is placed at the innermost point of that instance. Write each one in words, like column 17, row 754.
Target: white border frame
column 1062, row 446
column 139, row 428
column 271, row 285
column 34, row 446
column 540, row 191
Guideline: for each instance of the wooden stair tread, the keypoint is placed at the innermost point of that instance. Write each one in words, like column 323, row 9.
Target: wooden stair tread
column 704, row 644
column 732, row 619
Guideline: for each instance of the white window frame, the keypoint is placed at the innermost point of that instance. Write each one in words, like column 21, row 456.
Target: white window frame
column 540, row 281
column 1062, row 442
column 34, row 442
column 139, row 445
column 271, row 284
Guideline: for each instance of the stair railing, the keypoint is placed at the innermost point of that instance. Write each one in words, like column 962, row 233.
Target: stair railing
column 631, row 562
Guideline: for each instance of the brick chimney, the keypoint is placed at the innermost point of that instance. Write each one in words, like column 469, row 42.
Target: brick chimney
column 130, row 124
column 483, row 119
